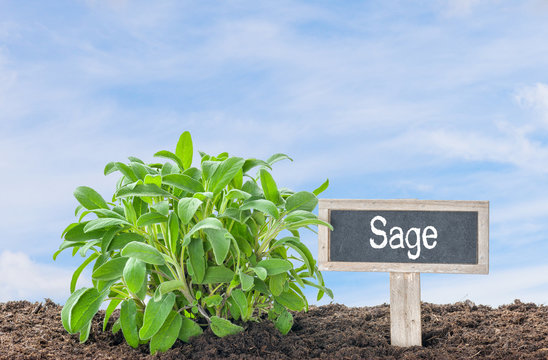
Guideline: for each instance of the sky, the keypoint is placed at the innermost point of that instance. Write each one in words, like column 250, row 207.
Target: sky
column 435, row 100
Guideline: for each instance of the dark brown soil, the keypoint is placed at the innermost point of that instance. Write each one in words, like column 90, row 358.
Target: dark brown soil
column 458, row 331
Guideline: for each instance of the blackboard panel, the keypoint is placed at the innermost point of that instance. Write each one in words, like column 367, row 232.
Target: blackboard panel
column 457, row 236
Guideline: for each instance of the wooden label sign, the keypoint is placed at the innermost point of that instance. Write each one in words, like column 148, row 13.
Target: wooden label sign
column 405, row 236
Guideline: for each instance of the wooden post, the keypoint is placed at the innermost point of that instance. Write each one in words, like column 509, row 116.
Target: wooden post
column 405, row 309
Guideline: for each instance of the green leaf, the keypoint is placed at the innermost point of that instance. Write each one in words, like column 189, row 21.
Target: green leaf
column 222, row 327
column 209, row 168
column 291, row 300
column 203, row 195
column 252, row 188
column 251, row 163
column 140, row 170
column 107, row 213
column 214, row 300
column 85, row 308
column 284, row 322
column 187, row 208
column 128, row 322
column 260, row 272
column 299, row 215
column 101, row 223
column 225, row 173
column 156, row 313
column 189, row 329
column 197, row 259
column 220, row 242
column 207, row 223
column 135, row 272
column 111, row 270
column 321, row 188
column 183, row 182
column 307, row 222
column 142, row 190
column 172, row 232
column 277, row 157
column 218, row 274
column 237, row 194
column 275, row 266
column 79, row 270
column 241, row 301
column 171, row 156
column 184, row 150
column 126, row 171
column 247, row 281
column 151, row 218
column 143, row 252
column 264, row 206
column 169, row 286
column 303, row 200
column 84, row 332
column 134, row 159
column 110, row 168
column 110, row 309
column 270, row 189
column 161, row 207
column 116, row 326
column 194, row 173
column 122, row 239
column 69, row 304
column 89, row 198
column 300, row 248
column 153, row 179
column 76, row 233
column 168, row 333
column 276, row 284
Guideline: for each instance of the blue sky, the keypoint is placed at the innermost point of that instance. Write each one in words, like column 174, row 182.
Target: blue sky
column 439, row 100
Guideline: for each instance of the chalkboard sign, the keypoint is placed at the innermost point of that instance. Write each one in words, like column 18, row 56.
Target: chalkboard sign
column 405, row 236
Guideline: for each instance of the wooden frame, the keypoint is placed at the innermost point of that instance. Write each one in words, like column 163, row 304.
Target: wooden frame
column 482, row 208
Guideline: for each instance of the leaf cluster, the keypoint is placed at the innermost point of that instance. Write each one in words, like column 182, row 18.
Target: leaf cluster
column 179, row 248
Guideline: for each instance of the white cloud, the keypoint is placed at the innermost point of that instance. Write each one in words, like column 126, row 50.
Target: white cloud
column 24, row 279
column 535, row 97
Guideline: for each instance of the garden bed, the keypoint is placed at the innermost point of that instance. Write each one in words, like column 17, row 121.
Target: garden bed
column 457, row 331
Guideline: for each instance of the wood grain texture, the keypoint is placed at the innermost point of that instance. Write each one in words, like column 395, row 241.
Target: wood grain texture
column 482, row 207
column 405, row 309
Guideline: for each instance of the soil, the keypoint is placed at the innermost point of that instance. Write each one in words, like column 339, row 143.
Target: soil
column 457, row 331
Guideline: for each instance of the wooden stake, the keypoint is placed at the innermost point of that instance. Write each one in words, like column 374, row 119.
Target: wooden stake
column 405, row 309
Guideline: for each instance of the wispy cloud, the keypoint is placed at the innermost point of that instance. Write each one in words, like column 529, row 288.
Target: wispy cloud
column 24, row 279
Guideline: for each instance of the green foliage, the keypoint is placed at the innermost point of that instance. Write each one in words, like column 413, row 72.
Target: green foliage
column 181, row 248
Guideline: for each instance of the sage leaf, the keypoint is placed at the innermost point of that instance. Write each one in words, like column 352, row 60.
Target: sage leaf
column 128, row 322
column 184, row 150
column 143, row 252
column 197, row 259
column 111, row 270
column 187, row 208
column 89, row 198
column 222, row 327
column 284, row 322
column 85, row 307
column 264, row 206
column 302, row 200
column 168, row 333
column 134, row 274
column 268, row 184
column 275, row 266
column 189, row 329
column 156, row 312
